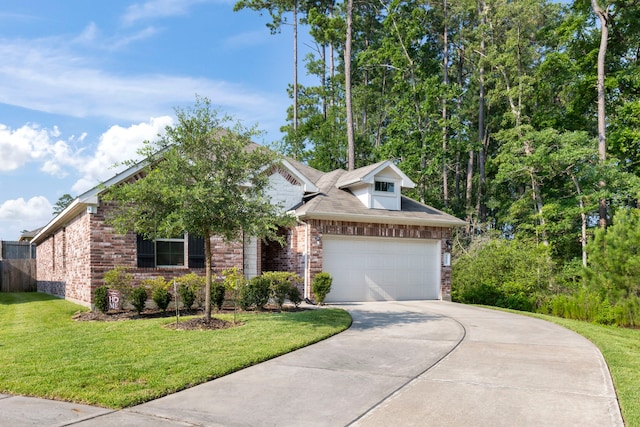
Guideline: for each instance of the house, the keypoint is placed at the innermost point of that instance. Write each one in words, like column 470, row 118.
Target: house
column 376, row 243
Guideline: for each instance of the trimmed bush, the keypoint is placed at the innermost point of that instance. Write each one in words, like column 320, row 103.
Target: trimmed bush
column 139, row 298
column 159, row 292
column 255, row 293
column 217, row 295
column 280, row 283
column 196, row 284
column 101, row 298
column 162, row 297
column 294, row 296
column 187, row 295
column 321, row 286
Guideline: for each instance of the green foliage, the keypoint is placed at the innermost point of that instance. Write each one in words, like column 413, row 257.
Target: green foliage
column 191, row 289
column 159, row 292
column 255, row 293
column 504, row 273
column 218, row 292
column 590, row 306
column 120, row 280
column 294, row 295
column 101, row 298
column 204, row 176
column 321, row 286
column 614, row 257
column 280, row 283
column 187, row 296
column 139, row 298
column 62, row 203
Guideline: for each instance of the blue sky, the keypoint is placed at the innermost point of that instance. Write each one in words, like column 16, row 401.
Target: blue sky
column 83, row 83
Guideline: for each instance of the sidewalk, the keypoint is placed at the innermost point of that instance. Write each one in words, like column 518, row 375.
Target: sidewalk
column 401, row 363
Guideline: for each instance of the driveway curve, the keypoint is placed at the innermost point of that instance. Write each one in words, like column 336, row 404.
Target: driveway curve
column 401, row 363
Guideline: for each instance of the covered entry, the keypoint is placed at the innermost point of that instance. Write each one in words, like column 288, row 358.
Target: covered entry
column 381, row 269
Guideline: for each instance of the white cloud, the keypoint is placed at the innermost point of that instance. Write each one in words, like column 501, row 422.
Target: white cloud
column 157, row 9
column 20, row 214
column 40, row 76
column 116, row 145
column 31, row 143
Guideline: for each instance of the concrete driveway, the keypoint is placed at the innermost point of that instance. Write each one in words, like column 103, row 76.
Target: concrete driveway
column 413, row 363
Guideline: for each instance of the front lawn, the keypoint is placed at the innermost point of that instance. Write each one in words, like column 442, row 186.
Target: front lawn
column 44, row 353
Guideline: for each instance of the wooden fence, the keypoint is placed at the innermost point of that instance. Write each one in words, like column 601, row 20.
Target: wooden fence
column 17, row 267
column 18, row 275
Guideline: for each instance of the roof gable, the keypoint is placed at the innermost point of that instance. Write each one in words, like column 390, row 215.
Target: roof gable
column 367, row 175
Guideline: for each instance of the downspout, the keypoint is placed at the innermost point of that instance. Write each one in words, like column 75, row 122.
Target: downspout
column 307, row 273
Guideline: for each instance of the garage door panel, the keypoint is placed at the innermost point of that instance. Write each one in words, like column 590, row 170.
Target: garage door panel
column 378, row 269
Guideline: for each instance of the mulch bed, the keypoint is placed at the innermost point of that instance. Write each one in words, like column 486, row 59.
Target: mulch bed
column 198, row 323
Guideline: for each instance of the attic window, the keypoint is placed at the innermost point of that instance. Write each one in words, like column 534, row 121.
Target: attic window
column 384, row 186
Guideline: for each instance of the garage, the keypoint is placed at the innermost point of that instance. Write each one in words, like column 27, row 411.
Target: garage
column 381, row 269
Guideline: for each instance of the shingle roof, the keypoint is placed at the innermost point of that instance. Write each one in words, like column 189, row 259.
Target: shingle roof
column 340, row 204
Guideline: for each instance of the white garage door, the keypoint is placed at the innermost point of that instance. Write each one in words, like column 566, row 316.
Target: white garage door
column 381, row 269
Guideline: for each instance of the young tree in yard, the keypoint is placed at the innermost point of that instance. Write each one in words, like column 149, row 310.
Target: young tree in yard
column 205, row 178
column 603, row 17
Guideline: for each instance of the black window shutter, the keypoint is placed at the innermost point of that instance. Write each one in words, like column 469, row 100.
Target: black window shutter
column 146, row 252
column 196, row 252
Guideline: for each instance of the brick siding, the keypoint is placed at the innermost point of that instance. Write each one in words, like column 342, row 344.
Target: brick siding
column 72, row 261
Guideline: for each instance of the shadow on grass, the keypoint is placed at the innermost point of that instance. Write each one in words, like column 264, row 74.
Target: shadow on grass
column 12, row 298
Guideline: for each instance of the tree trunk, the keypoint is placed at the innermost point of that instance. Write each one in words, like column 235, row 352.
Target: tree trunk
column 207, row 285
column 603, row 16
column 347, row 87
column 481, row 121
column 295, row 79
column 480, row 206
column 445, row 81
column 583, row 218
column 469, row 190
column 323, row 52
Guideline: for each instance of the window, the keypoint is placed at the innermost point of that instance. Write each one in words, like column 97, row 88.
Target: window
column 171, row 252
column 384, row 186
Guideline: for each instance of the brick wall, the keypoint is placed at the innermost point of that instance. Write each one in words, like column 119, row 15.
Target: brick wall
column 72, row 261
column 63, row 262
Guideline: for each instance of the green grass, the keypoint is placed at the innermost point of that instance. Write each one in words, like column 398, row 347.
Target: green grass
column 44, row 353
column 621, row 349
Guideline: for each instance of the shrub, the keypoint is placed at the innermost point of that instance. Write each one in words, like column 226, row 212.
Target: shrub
column 187, row 295
column 162, row 297
column 280, row 283
column 321, row 286
column 120, row 280
column 196, row 284
column 217, row 295
column 139, row 298
column 500, row 272
column 101, row 298
column 255, row 293
column 159, row 292
column 294, row 295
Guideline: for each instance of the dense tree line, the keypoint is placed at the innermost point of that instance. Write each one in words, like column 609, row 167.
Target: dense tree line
column 521, row 116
